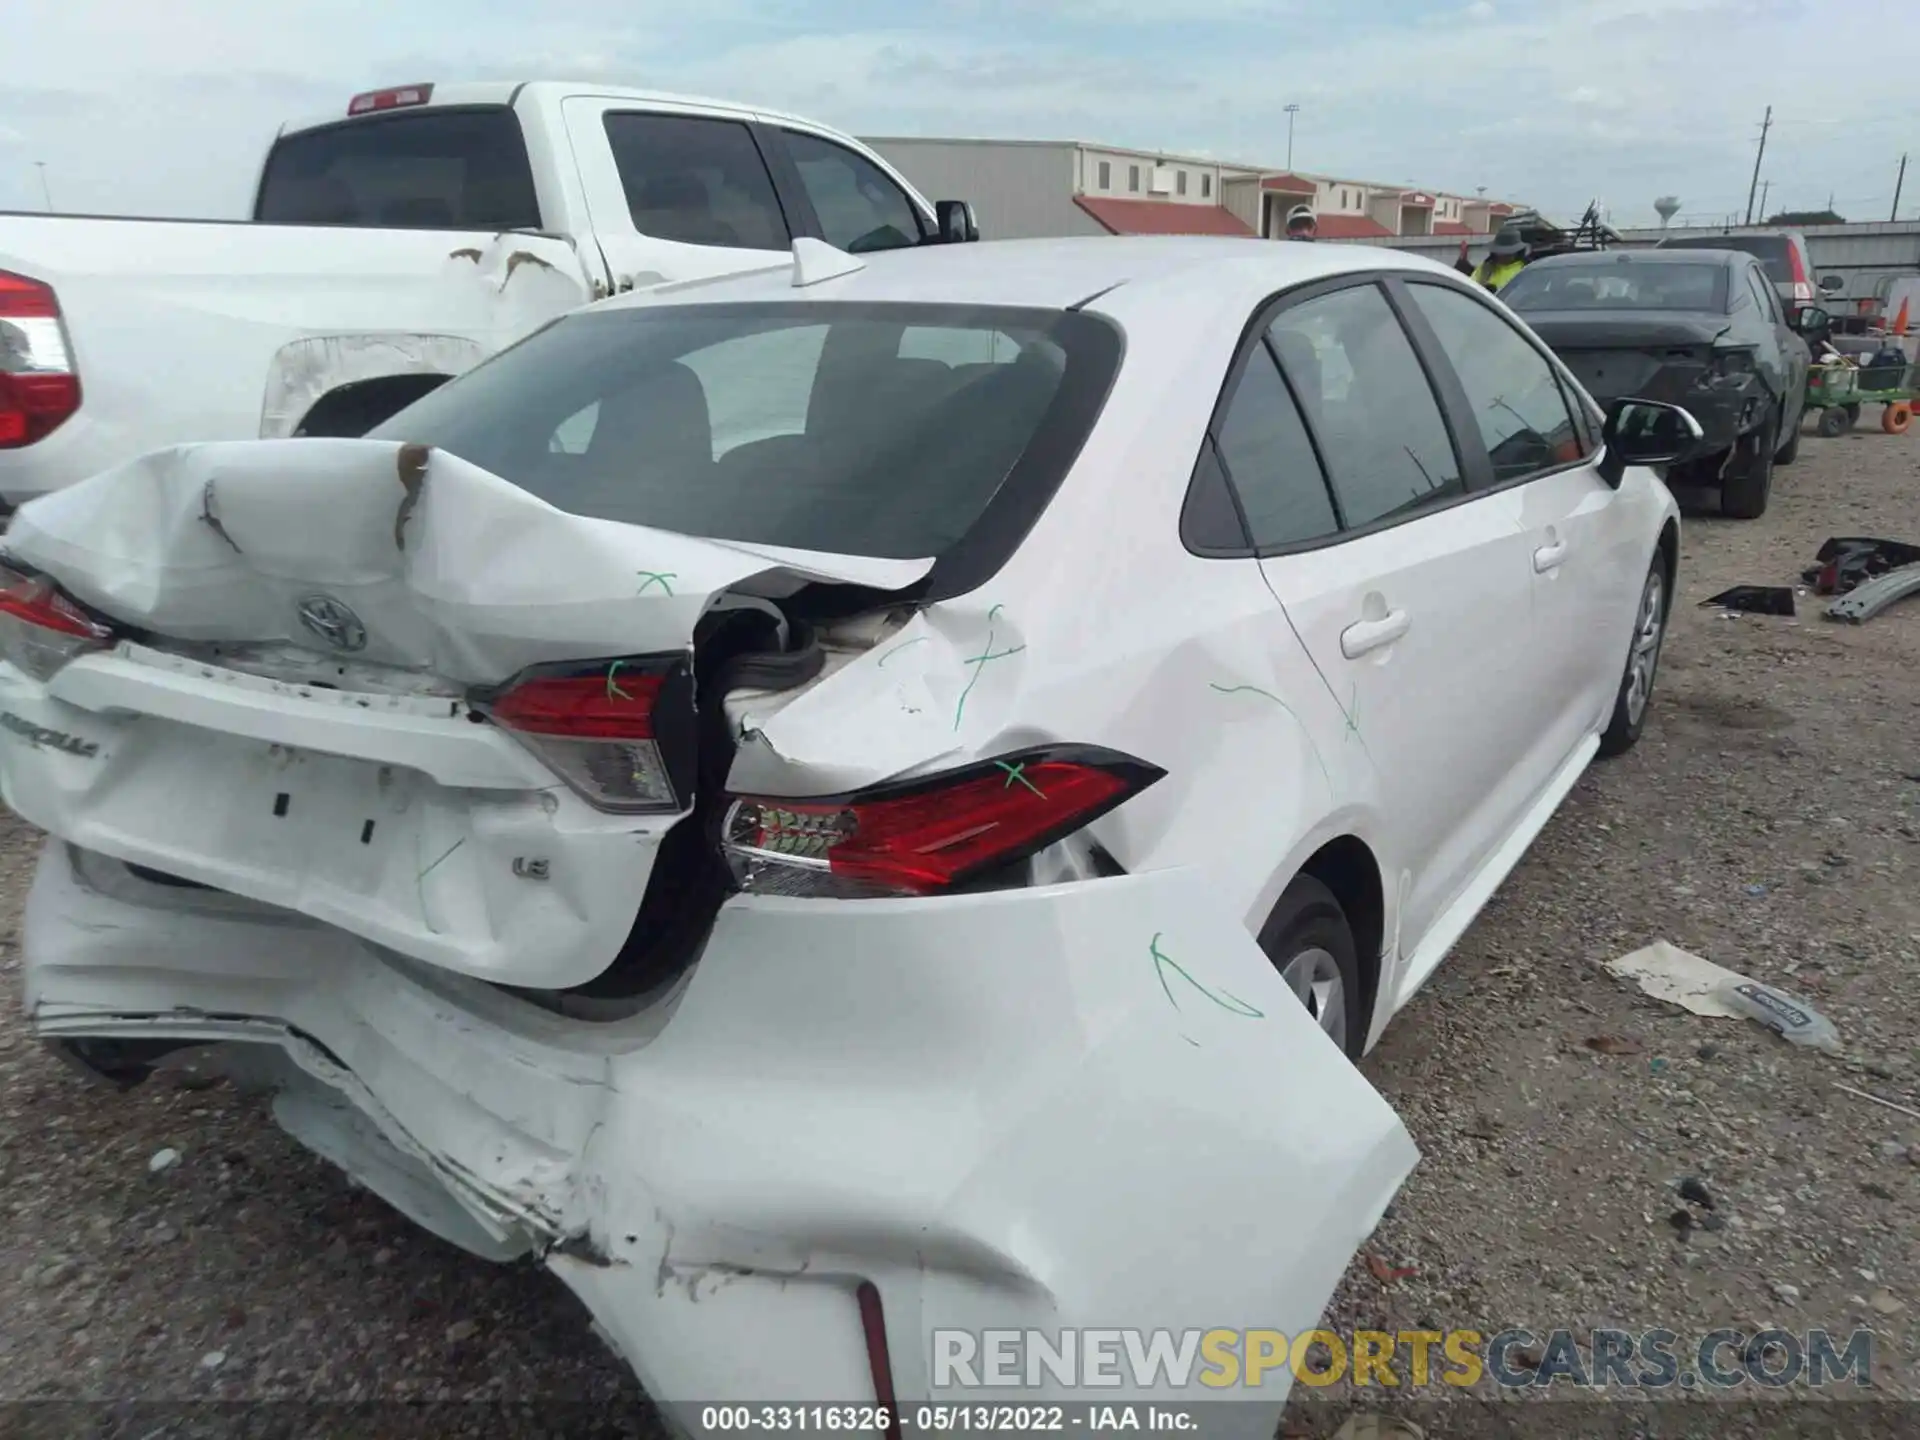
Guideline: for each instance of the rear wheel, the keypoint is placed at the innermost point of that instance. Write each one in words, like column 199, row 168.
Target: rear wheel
column 1310, row 943
column 1896, row 418
column 1744, row 492
column 1643, row 664
column 1833, row 421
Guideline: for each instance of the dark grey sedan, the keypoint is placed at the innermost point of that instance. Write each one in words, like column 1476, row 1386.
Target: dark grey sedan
column 1703, row 329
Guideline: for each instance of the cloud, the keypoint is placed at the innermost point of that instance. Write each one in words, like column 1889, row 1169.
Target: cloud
column 1553, row 103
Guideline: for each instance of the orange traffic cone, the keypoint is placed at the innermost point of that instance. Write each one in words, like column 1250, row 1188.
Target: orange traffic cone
column 1899, row 326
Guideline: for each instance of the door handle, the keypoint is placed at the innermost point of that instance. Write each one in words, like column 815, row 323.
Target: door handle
column 1548, row 557
column 1364, row 635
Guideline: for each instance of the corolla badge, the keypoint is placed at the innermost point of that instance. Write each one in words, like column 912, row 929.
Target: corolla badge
column 333, row 622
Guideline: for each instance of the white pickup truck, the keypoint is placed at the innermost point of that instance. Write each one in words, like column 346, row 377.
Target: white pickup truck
column 396, row 244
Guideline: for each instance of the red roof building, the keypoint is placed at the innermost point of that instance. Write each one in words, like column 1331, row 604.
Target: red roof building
column 1157, row 217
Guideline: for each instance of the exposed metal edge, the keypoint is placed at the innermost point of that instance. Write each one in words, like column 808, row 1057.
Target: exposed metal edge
column 1863, row 602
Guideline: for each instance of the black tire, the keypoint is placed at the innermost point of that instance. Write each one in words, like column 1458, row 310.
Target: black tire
column 1308, row 926
column 1743, row 494
column 1832, row 423
column 1629, row 716
column 1790, row 452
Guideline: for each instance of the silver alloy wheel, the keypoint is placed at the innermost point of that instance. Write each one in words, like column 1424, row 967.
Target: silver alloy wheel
column 1314, row 977
column 1644, row 658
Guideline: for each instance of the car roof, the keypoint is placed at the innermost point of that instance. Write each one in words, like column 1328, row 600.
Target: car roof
column 512, row 92
column 1050, row 274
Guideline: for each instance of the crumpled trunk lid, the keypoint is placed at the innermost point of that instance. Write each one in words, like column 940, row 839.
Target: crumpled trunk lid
column 365, row 791
column 1646, row 354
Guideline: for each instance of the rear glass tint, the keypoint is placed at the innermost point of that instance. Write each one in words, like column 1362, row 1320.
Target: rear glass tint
column 452, row 169
column 1609, row 285
column 880, row 430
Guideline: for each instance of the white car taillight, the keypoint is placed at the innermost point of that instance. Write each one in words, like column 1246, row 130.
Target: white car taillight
column 600, row 726
column 927, row 836
column 40, row 629
column 39, row 388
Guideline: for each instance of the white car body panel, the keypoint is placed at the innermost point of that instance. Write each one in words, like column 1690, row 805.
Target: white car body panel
column 973, row 1102
column 971, row 1099
column 184, row 331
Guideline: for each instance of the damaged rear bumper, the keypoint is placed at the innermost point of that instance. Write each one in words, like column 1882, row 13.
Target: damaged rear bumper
column 1092, row 1105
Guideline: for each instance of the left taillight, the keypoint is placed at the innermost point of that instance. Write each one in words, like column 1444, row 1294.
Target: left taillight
column 41, row 629
column 931, row 835
column 620, row 733
column 39, row 387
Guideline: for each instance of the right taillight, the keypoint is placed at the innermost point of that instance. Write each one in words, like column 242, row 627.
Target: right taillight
column 930, row 835
column 39, row 389
column 619, row 732
column 41, row 629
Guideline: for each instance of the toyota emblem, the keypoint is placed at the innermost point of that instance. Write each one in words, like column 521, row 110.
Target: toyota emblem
column 333, row 622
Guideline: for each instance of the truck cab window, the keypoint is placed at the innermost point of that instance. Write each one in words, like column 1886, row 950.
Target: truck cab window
column 454, row 169
column 859, row 207
column 697, row 181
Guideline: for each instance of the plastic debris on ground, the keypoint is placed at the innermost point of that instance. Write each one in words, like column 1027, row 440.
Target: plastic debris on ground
column 1666, row 972
column 1845, row 561
column 1755, row 599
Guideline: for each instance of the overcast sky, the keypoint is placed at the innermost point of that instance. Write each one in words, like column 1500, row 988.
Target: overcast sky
column 165, row 109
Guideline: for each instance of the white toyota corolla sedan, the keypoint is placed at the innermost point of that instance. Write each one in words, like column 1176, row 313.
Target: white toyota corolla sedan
column 857, row 805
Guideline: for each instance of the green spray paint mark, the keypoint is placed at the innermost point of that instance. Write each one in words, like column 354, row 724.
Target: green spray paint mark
column 1019, row 772
column 917, row 640
column 1225, row 999
column 1312, row 748
column 979, row 663
column 613, row 688
column 656, row 577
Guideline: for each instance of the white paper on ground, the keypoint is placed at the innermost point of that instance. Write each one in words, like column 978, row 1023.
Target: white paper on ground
column 1667, row 972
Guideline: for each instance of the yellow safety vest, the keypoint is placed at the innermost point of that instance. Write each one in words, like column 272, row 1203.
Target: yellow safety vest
column 1496, row 273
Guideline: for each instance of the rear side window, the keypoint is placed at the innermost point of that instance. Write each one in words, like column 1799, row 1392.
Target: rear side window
column 698, row 181
column 813, row 426
column 1270, row 460
column 1369, row 403
column 452, row 169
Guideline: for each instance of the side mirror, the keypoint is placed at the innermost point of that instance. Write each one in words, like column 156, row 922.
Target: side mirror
column 1645, row 432
column 1832, row 284
column 1812, row 320
column 955, row 222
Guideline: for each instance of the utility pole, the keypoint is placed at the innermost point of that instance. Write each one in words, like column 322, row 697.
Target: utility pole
column 1765, row 125
column 1292, row 110
column 1898, row 181
column 45, row 193
column 1765, row 186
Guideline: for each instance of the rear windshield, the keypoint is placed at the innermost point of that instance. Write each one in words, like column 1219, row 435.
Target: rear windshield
column 878, row 430
column 1611, row 285
column 1769, row 250
column 452, row 169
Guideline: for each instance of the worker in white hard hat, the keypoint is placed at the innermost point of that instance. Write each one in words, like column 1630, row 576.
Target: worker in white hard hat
column 1302, row 224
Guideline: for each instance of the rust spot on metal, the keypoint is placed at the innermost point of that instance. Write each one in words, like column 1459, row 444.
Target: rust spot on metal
column 411, row 463
column 523, row 257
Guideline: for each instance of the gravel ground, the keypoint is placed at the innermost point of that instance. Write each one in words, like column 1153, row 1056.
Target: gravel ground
column 1768, row 821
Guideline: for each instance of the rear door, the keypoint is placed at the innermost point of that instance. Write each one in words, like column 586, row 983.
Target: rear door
column 677, row 192
column 1414, row 605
